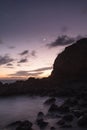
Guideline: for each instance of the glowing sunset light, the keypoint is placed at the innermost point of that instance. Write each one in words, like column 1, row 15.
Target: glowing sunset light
column 34, row 32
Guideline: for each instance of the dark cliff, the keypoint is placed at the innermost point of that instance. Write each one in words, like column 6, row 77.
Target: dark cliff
column 71, row 64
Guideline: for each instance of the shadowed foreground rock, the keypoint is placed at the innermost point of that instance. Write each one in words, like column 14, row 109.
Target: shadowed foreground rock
column 82, row 122
column 21, row 125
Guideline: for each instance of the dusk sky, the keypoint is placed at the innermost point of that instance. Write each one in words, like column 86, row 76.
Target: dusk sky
column 34, row 32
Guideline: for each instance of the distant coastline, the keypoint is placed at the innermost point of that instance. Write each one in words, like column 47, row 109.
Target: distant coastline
column 7, row 81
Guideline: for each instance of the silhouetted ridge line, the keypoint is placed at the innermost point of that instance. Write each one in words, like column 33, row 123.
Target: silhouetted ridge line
column 71, row 64
column 68, row 78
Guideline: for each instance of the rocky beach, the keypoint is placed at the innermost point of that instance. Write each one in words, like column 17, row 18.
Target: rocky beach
column 68, row 80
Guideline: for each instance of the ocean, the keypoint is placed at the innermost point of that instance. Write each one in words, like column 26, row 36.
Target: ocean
column 7, row 81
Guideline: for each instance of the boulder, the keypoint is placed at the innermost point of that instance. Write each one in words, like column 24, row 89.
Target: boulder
column 61, row 122
column 53, row 108
column 68, row 117
column 40, row 115
column 16, row 123
column 78, row 113
column 71, row 102
column 25, row 125
column 50, row 101
column 52, row 128
column 63, row 109
column 41, row 123
column 66, row 126
column 82, row 121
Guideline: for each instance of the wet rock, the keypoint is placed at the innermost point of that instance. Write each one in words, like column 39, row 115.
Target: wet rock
column 85, row 111
column 53, row 111
column 16, row 123
column 71, row 102
column 83, row 103
column 68, row 117
column 41, row 123
column 50, row 101
column 53, row 115
column 78, row 113
column 66, row 126
column 61, row 122
column 40, row 115
column 53, row 108
column 82, row 121
column 63, row 109
column 25, row 125
column 52, row 128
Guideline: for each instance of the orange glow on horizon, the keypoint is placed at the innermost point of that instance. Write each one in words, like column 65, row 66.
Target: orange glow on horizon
column 6, row 77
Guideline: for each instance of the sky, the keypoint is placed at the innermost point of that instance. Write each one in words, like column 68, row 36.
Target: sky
column 34, row 32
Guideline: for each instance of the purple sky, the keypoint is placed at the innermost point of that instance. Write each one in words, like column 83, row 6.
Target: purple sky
column 27, row 27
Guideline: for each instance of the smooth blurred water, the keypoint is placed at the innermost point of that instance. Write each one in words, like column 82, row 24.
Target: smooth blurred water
column 20, row 108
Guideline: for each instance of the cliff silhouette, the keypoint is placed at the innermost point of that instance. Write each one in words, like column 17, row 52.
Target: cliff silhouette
column 71, row 64
column 68, row 78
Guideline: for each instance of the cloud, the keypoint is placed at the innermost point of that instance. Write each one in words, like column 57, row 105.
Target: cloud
column 25, row 55
column 31, row 73
column 33, row 53
column 79, row 37
column 20, row 73
column 25, row 73
column 11, row 47
column 61, row 41
column 9, row 64
column 5, row 60
column 64, row 29
column 23, row 60
column 10, row 67
column 25, row 52
column 41, row 69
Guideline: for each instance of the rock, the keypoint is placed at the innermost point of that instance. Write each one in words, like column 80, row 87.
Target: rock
column 41, row 123
column 63, row 109
column 85, row 111
column 52, row 128
column 68, row 117
column 71, row 102
column 66, row 126
column 61, row 122
column 1, row 84
column 25, row 125
column 16, row 123
column 40, row 115
column 50, row 101
column 53, row 115
column 71, row 64
column 64, row 119
column 82, row 121
column 83, row 103
column 53, row 108
column 78, row 113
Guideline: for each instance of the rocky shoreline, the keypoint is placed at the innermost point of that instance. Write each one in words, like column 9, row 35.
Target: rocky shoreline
column 68, row 79
column 72, row 113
